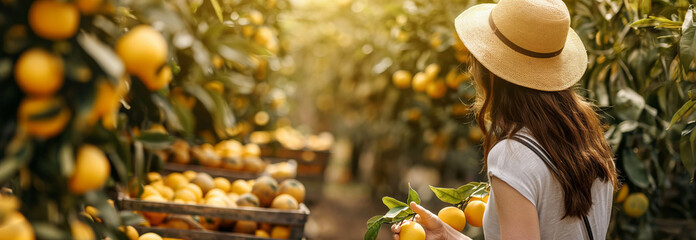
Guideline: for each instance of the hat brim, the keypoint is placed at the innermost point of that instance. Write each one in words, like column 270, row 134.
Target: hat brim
column 546, row 74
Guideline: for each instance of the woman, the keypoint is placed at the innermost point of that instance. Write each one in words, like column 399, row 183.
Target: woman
column 527, row 59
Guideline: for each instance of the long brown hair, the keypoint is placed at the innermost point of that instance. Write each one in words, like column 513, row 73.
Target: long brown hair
column 562, row 122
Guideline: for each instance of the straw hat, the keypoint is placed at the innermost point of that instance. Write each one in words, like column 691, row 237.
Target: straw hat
column 526, row 42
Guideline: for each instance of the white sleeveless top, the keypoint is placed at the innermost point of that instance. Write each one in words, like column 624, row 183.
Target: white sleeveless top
column 523, row 170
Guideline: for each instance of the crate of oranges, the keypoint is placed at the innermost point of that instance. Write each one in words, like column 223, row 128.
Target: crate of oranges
column 194, row 205
column 229, row 159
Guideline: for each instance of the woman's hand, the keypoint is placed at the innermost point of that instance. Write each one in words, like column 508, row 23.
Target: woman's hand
column 435, row 229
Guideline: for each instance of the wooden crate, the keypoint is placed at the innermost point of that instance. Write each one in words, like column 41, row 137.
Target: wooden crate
column 296, row 219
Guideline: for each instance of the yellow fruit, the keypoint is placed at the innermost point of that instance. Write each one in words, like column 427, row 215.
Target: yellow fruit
column 261, row 119
column 166, row 192
column 402, row 79
column 256, row 17
column 247, row 227
column 185, row 194
column 54, row 20
column 265, row 188
column 196, row 190
column 43, row 117
column 205, row 181
column 262, row 233
column 285, row 201
column 81, row 231
column 39, row 72
column 435, row 40
column 251, row 150
column 636, row 205
column 232, row 162
column 248, row 30
column 16, row 227
column 180, row 154
column 280, row 232
column 143, row 50
column 88, row 6
column 93, row 212
column 154, row 177
column 8, row 204
column 247, row 200
column 411, row 231
column 420, row 82
column 240, row 187
column 217, row 61
column 131, row 233
column 215, row 193
column 454, row 217
column 91, row 170
column 177, row 224
column 475, row 134
column 190, row 175
column 233, row 197
column 150, row 236
column 432, row 70
column 622, row 194
column 293, row 188
column 253, row 164
column 157, row 80
column 474, row 213
column 176, row 180
column 216, row 201
column 222, row 184
column 436, row 89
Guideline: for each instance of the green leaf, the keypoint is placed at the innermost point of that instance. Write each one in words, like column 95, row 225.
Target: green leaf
column 687, row 43
column 373, row 229
column 218, row 10
column 171, row 117
column 102, row 53
column 466, row 190
column 130, row 218
column 687, row 152
column 394, row 212
column 635, row 169
column 374, row 219
column 155, row 140
column 391, row 202
column 681, row 112
column 412, row 196
column 448, row 195
column 67, row 159
column 629, row 104
column 645, row 22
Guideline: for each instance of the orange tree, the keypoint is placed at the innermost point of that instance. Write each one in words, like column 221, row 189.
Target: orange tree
column 91, row 89
column 390, row 102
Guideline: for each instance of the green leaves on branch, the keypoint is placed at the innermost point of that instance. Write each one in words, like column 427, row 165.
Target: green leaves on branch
column 398, row 211
column 461, row 194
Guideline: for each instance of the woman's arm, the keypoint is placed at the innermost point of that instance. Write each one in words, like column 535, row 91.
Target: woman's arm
column 517, row 216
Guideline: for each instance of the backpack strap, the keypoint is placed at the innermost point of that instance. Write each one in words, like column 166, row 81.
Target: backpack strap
column 546, row 157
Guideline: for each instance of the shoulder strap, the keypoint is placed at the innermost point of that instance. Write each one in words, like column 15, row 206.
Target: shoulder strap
column 546, row 157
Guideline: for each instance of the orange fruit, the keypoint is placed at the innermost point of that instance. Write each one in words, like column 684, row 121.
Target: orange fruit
column 636, row 205
column 222, row 184
column 81, row 231
column 247, row 200
column 185, row 194
column 131, row 233
column 420, row 82
column 88, row 6
column 285, row 201
column 432, row 70
column 150, row 236
column 454, row 217
column 247, row 227
column 262, row 233
column 91, row 171
column 43, row 117
column 293, row 188
column 39, row 72
column 54, row 20
column 622, row 194
column 240, row 187
column 157, row 80
column 436, row 89
column 176, row 180
column 266, row 189
column 280, row 232
column 143, row 50
column 474, row 213
column 411, row 231
column 15, row 226
column 402, row 79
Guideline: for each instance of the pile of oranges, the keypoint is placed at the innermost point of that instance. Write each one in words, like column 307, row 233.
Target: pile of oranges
column 200, row 188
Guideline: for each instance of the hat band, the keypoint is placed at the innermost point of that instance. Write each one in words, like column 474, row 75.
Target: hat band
column 516, row 47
